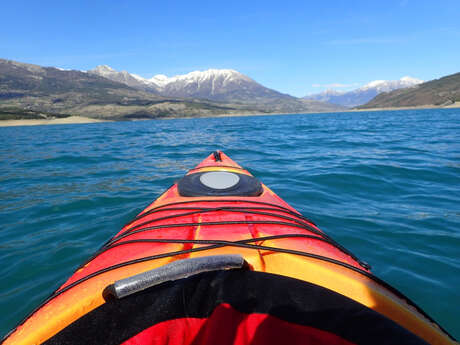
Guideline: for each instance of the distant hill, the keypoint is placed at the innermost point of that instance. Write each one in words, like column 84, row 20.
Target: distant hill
column 363, row 94
column 49, row 90
column 438, row 92
column 20, row 79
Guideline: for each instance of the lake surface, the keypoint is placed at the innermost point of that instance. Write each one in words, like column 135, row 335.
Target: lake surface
column 385, row 184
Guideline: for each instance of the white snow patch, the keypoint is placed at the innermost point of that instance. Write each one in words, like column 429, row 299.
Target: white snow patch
column 226, row 75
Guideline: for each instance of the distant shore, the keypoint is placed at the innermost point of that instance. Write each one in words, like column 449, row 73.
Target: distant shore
column 82, row 119
column 56, row 121
column 453, row 105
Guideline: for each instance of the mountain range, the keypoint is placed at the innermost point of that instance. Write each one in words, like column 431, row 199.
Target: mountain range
column 224, row 85
column 365, row 93
column 108, row 94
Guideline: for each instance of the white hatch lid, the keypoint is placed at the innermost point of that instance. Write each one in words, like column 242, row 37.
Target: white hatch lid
column 219, row 179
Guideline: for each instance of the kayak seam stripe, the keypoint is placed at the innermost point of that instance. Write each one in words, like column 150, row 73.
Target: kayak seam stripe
column 237, row 209
column 216, row 209
column 304, row 225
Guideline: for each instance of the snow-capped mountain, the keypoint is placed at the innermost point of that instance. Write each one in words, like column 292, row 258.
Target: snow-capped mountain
column 365, row 93
column 390, row 85
column 214, row 84
column 124, row 77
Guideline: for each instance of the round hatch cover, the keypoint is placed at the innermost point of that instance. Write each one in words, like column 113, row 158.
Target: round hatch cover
column 219, row 179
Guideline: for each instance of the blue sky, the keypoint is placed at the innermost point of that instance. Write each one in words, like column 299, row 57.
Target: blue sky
column 294, row 47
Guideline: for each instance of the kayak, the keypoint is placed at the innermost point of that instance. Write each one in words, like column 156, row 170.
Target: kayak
column 219, row 258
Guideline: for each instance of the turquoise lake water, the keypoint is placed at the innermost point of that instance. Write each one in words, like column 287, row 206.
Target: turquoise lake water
column 386, row 185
